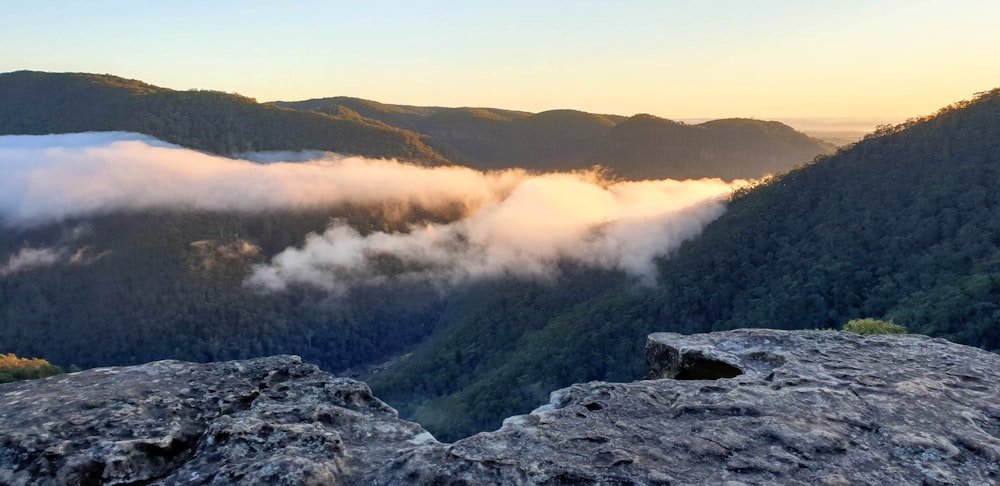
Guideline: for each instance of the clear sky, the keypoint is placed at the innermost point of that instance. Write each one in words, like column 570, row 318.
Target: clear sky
column 676, row 59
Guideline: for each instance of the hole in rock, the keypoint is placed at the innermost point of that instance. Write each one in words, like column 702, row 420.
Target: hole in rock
column 698, row 368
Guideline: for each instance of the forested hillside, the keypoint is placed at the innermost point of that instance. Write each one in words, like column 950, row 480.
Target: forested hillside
column 133, row 287
column 904, row 225
column 639, row 147
column 35, row 103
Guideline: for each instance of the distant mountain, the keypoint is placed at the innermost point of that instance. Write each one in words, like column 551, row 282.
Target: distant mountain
column 903, row 225
column 222, row 123
column 734, row 148
column 639, row 147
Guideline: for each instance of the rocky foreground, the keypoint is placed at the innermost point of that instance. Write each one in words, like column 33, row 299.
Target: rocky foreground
column 738, row 407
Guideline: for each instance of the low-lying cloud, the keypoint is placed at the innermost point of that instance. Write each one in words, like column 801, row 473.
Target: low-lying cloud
column 65, row 251
column 512, row 222
column 28, row 258
column 50, row 177
column 511, row 238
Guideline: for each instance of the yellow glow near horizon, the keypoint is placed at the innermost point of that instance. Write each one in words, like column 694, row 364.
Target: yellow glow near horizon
column 749, row 58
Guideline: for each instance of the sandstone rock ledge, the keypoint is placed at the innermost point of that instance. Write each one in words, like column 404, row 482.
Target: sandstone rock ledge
column 737, row 407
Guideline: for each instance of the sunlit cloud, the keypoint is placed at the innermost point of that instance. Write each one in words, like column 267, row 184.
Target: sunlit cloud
column 50, row 177
column 507, row 223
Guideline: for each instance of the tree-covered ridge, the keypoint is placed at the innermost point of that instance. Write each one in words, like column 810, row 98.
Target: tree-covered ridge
column 905, row 216
column 399, row 115
column 222, row 123
column 903, row 226
column 638, row 147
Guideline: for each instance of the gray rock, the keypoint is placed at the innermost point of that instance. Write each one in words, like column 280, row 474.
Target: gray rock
column 740, row 407
column 265, row 421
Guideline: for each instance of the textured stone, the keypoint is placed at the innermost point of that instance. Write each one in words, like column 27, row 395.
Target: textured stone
column 739, row 407
column 266, row 421
column 783, row 408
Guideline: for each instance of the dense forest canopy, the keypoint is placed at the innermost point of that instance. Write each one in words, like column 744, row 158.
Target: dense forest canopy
column 168, row 284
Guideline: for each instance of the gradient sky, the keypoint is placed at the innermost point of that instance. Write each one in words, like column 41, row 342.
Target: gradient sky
column 676, row 59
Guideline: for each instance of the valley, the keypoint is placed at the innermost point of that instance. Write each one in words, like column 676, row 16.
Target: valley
column 900, row 225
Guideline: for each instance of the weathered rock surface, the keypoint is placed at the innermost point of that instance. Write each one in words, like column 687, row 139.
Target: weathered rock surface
column 738, row 407
column 263, row 421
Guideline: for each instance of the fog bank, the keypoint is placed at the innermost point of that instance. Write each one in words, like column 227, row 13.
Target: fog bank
column 512, row 223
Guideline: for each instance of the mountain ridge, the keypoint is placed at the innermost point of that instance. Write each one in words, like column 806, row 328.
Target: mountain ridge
column 637, row 147
column 36, row 103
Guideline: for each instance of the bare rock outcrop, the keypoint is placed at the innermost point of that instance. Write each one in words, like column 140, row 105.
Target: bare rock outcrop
column 737, row 407
column 263, row 421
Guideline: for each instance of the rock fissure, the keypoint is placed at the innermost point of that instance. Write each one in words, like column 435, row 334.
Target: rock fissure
column 180, row 452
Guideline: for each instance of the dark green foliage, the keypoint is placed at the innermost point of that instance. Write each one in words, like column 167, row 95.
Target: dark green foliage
column 221, row 123
column 904, row 225
column 904, row 215
column 640, row 147
column 169, row 285
column 509, row 343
